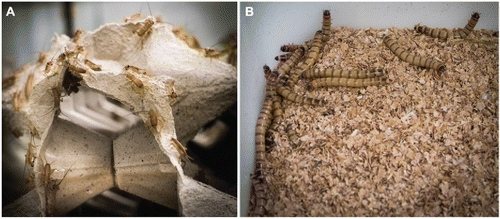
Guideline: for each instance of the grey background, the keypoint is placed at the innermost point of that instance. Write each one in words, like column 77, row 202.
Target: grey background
column 276, row 24
column 34, row 25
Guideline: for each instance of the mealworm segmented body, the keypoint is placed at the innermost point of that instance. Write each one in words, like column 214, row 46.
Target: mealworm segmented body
column 277, row 114
column 412, row 59
column 346, row 82
column 289, row 95
column 446, row 33
column 289, row 47
column 337, row 73
column 258, row 180
column 284, row 57
column 327, row 24
column 292, row 136
column 297, row 54
column 313, row 54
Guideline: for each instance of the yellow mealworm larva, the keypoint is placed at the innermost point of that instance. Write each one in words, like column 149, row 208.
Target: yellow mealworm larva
column 92, row 65
column 336, row 73
column 284, row 57
column 444, row 34
column 135, row 80
column 289, row 95
column 292, row 136
column 313, row 54
column 346, row 82
column 412, row 59
column 290, row 47
column 145, row 28
column 258, row 180
column 28, row 87
column 327, row 23
column 277, row 113
column 297, row 54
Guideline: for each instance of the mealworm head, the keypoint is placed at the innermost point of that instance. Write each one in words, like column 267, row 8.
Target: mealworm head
column 476, row 15
column 326, row 13
column 266, row 68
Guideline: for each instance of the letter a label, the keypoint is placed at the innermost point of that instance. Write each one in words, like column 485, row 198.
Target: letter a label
column 10, row 11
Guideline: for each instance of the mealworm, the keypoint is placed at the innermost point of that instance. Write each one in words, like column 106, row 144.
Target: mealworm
column 181, row 149
column 135, row 80
column 258, row 181
column 297, row 54
column 16, row 101
column 290, row 47
column 446, row 33
column 277, row 114
column 312, row 57
column 289, row 95
column 327, row 23
column 145, row 27
column 346, row 82
column 313, row 54
column 77, row 36
column 284, row 57
column 336, row 73
column 292, row 136
column 153, row 118
column 412, row 59
column 92, row 65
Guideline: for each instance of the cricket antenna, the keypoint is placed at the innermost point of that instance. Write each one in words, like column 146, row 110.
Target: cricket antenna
column 150, row 13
